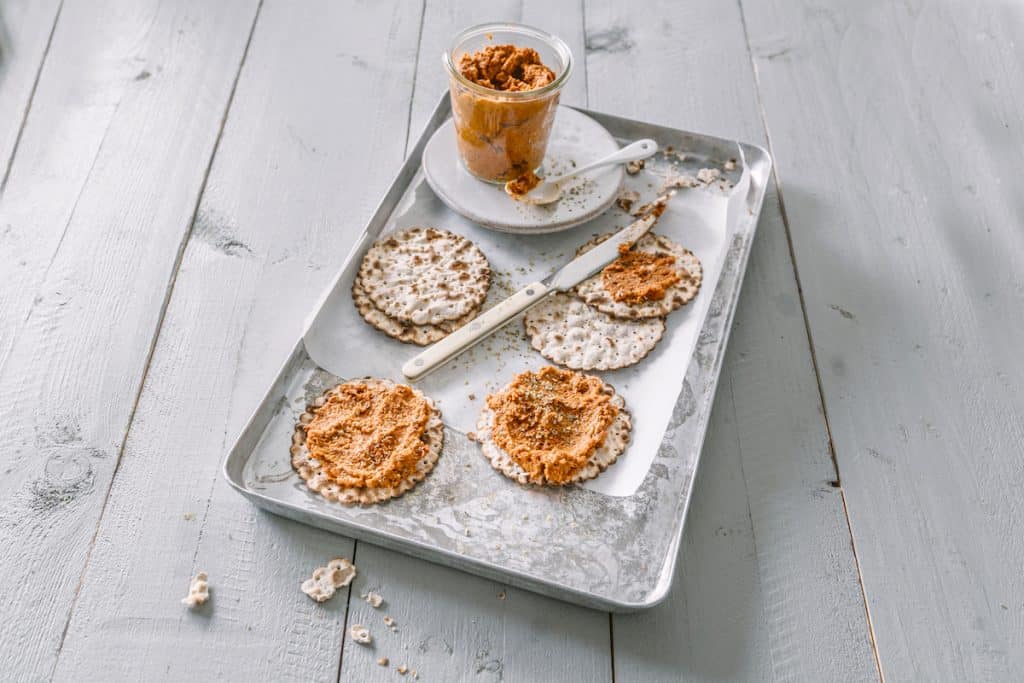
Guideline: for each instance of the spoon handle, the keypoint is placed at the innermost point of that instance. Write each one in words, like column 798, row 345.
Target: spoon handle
column 641, row 149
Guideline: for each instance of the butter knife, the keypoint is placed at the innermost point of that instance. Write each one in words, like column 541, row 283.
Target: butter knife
column 492, row 320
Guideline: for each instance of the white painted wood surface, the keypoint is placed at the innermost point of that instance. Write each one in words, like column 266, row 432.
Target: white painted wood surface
column 25, row 30
column 314, row 134
column 742, row 608
column 908, row 252
column 898, row 132
column 101, row 192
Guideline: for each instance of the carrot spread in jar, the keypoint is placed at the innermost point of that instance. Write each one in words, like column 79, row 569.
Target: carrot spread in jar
column 501, row 137
column 369, row 436
column 551, row 421
column 639, row 276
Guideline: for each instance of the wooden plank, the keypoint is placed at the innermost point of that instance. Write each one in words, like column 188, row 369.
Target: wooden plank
column 25, row 30
column 767, row 585
column 103, row 187
column 315, row 132
column 450, row 623
column 898, row 131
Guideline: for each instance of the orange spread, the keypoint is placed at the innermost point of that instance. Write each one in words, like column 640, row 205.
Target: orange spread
column 639, row 276
column 550, row 421
column 369, row 436
column 500, row 137
column 506, row 67
column 523, row 184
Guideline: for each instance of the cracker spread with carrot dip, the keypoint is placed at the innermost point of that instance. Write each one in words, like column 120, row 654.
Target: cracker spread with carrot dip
column 369, row 436
column 551, row 421
column 639, row 276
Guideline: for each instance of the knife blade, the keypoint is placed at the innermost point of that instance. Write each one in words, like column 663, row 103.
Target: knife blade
column 493, row 319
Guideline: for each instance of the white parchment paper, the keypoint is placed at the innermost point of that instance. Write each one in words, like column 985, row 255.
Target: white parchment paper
column 700, row 219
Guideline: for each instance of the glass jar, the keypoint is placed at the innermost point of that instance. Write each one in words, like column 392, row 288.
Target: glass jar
column 503, row 134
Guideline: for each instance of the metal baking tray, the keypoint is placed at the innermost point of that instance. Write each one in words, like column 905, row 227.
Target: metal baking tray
column 610, row 552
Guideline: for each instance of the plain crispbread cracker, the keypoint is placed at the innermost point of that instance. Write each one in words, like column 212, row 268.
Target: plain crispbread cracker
column 311, row 471
column 603, row 457
column 422, row 335
column 688, row 266
column 425, row 276
column 569, row 332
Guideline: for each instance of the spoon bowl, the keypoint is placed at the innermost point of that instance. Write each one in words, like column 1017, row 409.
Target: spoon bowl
column 550, row 190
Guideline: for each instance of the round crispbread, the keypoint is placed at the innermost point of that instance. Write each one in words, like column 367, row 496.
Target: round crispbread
column 311, row 471
column 688, row 266
column 602, row 458
column 425, row 276
column 569, row 332
column 422, row 335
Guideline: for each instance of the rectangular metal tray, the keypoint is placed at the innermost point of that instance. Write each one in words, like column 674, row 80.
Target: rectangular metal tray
column 575, row 544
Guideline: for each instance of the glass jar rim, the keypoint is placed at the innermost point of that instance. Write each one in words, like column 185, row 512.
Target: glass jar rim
column 554, row 41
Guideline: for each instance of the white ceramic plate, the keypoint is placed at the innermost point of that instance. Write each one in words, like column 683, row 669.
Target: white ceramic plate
column 575, row 138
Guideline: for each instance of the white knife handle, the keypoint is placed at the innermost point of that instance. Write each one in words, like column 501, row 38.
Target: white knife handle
column 474, row 331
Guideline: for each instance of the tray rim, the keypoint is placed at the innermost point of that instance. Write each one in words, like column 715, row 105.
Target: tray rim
column 245, row 443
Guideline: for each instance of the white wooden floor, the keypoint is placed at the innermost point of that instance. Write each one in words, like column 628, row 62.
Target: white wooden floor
column 179, row 179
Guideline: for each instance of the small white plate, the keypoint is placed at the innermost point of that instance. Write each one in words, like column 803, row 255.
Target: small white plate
column 575, row 139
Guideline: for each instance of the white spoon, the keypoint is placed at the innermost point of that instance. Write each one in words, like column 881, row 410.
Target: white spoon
column 551, row 189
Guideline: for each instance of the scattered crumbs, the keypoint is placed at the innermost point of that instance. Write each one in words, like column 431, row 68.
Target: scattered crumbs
column 471, row 435
column 708, row 175
column 189, row 516
column 403, row 669
column 383, row 661
column 414, row 674
column 626, row 199
column 501, row 595
column 198, row 591
column 390, row 623
column 730, row 165
column 375, row 599
column 472, row 397
column 634, row 167
column 325, row 581
column 360, row 634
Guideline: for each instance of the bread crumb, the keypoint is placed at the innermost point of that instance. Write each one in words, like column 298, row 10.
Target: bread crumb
column 730, row 165
column 472, row 397
column 189, row 516
column 708, row 175
column 501, row 595
column 198, row 591
column 338, row 573
column 360, row 634
column 383, row 661
column 626, row 199
column 634, row 167
column 375, row 599
column 403, row 669
column 390, row 623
